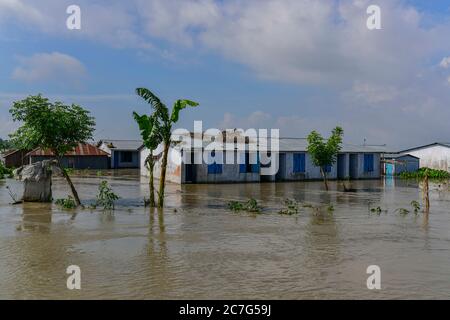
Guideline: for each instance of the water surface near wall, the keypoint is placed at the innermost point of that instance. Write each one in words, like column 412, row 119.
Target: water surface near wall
column 205, row 251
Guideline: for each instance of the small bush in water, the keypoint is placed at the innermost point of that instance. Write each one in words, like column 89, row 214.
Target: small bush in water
column 106, row 198
column 249, row 206
column 68, row 203
column 5, row 172
column 292, row 207
column 416, row 206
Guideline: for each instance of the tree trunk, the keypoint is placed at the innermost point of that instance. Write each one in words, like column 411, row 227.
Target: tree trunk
column 69, row 181
column 162, row 180
column 324, row 175
column 150, row 166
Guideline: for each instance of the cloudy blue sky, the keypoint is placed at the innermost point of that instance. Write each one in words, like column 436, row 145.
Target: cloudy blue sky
column 296, row 65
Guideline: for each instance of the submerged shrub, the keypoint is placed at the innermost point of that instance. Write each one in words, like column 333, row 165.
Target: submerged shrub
column 415, row 205
column 292, row 207
column 377, row 210
column 106, row 198
column 5, row 172
column 432, row 174
column 68, row 203
column 402, row 211
column 250, row 206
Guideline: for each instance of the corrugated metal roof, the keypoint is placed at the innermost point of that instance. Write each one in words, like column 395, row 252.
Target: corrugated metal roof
column 444, row 144
column 300, row 145
column 81, row 150
column 397, row 155
column 122, row 144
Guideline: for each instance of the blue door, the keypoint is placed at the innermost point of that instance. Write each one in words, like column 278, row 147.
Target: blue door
column 116, row 159
column 389, row 169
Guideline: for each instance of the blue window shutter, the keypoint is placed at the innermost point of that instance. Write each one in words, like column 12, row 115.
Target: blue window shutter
column 296, row 163
column 299, row 162
column 242, row 168
column 218, row 168
column 368, row 162
column 212, row 168
column 302, row 163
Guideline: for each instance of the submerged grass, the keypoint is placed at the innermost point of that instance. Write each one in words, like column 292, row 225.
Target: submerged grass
column 250, row 206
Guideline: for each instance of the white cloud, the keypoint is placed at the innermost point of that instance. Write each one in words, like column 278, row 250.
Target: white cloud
column 445, row 63
column 53, row 66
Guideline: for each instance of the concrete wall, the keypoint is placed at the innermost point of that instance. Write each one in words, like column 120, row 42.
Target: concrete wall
column 313, row 173
column 174, row 168
column 376, row 173
column 79, row 162
column 435, row 157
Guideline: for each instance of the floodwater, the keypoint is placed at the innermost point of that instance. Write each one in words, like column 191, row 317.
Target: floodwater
column 199, row 249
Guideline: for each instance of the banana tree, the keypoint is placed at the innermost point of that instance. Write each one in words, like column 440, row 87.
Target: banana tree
column 150, row 133
column 166, row 119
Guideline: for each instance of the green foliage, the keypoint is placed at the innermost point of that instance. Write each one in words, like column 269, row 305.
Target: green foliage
column 106, row 198
column 5, row 172
column 250, row 206
column 324, row 153
column 291, row 207
column 377, row 210
column 420, row 174
column 163, row 120
column 68, row 203
column 330, row 208
column 150, row 130
column 416, row 206
column 48, row 125
column 402, row 211
column 5, row 145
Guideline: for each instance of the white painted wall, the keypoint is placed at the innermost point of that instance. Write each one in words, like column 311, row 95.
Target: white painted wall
column 435, row 157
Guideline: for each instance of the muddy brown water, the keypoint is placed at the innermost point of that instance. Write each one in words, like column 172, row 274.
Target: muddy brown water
column 202, row 250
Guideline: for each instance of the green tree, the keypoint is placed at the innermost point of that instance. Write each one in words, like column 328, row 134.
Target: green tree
column 166, row 119
column 150, row 133
column 324, row 153
column 5, row 145
column 53, row 126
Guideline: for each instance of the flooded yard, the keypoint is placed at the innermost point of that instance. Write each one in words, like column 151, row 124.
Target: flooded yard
column 200, row 249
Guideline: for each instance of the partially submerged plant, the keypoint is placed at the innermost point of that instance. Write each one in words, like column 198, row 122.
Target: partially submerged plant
column 250, row 206
column 377, row 210
column 106, row 198
column 68, row 203
column 402, row 211
column 416, row 206
column 292, row 207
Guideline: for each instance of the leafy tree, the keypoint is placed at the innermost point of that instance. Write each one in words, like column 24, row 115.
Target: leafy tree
column 324, row 153
column 166, row 119
column 150, row 133
column 5, row 145
column 53, row 126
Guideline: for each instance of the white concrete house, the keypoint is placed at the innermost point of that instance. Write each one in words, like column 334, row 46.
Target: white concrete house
column 435, row 155
column 294, row 164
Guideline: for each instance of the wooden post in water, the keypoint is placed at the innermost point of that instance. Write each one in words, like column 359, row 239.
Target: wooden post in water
column 426, row 193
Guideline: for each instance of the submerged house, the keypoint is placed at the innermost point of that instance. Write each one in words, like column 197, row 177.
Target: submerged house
column 84, row 156
column 15, row 158
column 292, row 160
column 435, row 155
column 397, row 163
column 122, row 153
